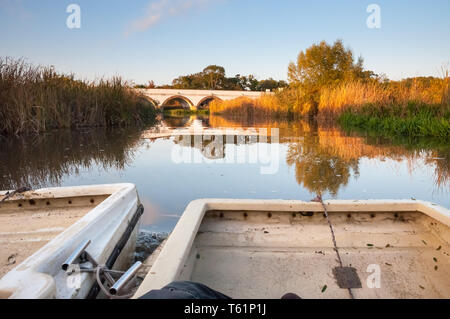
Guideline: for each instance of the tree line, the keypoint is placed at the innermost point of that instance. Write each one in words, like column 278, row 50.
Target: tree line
column 213, row 77
column 329, row 83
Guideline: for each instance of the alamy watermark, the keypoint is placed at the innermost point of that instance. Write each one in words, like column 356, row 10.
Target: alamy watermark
column 74, row 19
column 374, row 19
column 374, row 279
column 73, row 279
column 262, row 148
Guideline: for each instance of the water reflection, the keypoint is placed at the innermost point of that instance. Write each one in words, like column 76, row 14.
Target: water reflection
column 318, row 159
column 318, row 169
column 326, row 157
column 40, row 161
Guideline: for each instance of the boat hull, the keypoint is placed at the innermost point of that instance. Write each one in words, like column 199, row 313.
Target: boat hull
column 40, row 276
column 266, row 248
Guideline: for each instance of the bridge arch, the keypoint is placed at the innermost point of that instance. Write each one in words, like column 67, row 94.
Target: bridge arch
column 204, row 103
column 154, row 102
column 178, row 101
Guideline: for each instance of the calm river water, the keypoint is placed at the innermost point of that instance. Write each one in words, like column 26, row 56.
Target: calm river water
column 182, row 159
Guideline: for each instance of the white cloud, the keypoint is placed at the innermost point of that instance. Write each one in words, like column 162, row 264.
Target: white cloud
column 160, row 10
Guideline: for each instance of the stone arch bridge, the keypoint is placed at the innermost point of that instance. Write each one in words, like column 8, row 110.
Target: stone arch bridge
column 193, row 99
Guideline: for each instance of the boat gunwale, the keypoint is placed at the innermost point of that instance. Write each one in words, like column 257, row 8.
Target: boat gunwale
column 175, row 253
column 67, row 191
column 13, row 283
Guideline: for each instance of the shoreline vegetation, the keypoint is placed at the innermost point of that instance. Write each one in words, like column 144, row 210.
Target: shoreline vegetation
column 35, row 99
column 183, row 112
column 327, row 84
column 412, row 116
column 213, row 78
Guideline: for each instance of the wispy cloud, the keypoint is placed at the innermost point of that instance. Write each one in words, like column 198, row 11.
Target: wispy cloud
column 160, row 10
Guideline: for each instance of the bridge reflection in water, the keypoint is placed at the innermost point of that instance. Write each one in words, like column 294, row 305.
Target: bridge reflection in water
column 322, row 159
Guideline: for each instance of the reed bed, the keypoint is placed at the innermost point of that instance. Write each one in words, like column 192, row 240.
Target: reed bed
column 416, row 107
column 420, row 107
column 36, row 99
column 267, row 106
column 358, row 94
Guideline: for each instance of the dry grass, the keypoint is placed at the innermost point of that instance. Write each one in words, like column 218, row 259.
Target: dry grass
column 265, row 106
column 355, row 95
column 35, row 99
column 416, row 107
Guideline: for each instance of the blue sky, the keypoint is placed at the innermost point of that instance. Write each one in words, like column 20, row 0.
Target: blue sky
column 158, row 40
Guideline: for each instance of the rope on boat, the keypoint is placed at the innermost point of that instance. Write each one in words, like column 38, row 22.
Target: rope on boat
column 320, row 200
column 105, row 278
column 118, row 249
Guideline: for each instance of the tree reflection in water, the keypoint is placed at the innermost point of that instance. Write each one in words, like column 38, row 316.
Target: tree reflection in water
column 39, row 161
column 318, row 170
column 325, row 158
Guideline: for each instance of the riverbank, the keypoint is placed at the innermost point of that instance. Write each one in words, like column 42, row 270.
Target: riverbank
column 420, row 108
column 423, row 122
column 411, row 107
column 184, row 112
column 329, row 84
column 35, row 99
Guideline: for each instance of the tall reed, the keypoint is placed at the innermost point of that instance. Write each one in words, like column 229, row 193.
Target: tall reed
column 382, row 96
column 36, row 99
column 266, row 106
column 416, row 107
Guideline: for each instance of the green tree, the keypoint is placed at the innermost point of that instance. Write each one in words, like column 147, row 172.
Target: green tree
column 214, row 77
column 249, row 83
column 192, row 81
column 270, row 84
column 211, row 78
column 234, row 83
column 323, row 65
